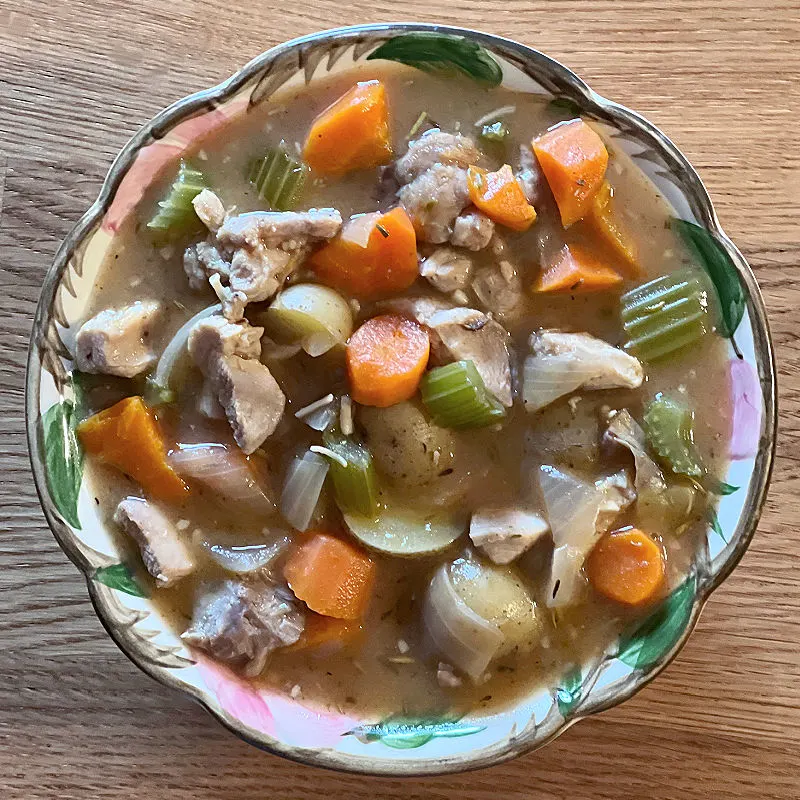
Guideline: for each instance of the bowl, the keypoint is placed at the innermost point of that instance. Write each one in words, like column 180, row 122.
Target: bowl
column 275, row 722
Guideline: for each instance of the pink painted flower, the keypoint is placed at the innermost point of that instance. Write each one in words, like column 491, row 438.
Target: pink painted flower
column 745, row 390
column 236, row 696
column 305, row 727
column 153, row 159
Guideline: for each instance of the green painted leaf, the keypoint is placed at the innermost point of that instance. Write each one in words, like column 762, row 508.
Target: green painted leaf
column 720, row 268
column 434, row 52
column 713, row 520
column 718, row 487
column 118, row 576
column 63, row 456
column 569, row 693
column 652, row 639
column 406, row 734
column 565, row 105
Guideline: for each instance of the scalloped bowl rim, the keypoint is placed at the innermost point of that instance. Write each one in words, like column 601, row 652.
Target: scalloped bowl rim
column 206, row 99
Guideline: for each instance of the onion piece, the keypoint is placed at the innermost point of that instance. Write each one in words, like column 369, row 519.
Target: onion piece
column 579, row 512
column 226, row 472
column 546, row 378
column 491, row 116
column 302, row 489
column 318, row 415
column 245, row 558
column 316, row 316
column 625, row 431
column 160, row 379
column 465, row 639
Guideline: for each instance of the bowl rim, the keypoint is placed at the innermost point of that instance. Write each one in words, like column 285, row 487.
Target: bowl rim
column 208, row 99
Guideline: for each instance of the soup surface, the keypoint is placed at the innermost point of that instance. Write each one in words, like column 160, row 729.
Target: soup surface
column 428, row 446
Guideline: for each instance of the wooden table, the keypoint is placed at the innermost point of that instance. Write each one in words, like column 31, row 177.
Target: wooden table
column 77, row 720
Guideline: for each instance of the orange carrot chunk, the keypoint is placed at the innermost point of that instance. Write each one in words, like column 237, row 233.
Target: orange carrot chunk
column 627, row 566
column 574, row 161
column 351, row 134
column 576, row 270
column 500, row 197
column 602, row 221
column 327, row 632
column 386, row 358
column 127, row 436
column 375, row 254
column 331, row 576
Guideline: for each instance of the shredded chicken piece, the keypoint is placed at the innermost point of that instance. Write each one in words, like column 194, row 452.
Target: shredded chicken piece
column 164, row 554
column 436, row 147
column 227, row 354
column 472, row 230
column 115, row 341
column 243, row 623
column 446, row 269
column 434, row 200
column 499, row 288
column 468, row 334
column 209, row 209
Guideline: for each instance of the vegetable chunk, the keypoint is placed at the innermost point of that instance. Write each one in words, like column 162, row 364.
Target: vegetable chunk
column 375, row 254
column 351, row 134
column 576, row 270
column 386, row 358
column 331, row 576
column 500, row 197
column 627, row 566
column 127, row 437
column 574, row 161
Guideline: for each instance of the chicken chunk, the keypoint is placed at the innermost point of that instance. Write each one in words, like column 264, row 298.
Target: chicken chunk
column 252, row 253
column 472, row 230
column 435, row 147
column 209, row 209
column 115, row 341
column 227, row 355
column 499, row 288
column 446, row 269
column 504, row 534
column 164, row 554
column 468, row 334
column 563, row 362
column 242, row 623
column 434, row 200
column 201, row 261
column 288, row 230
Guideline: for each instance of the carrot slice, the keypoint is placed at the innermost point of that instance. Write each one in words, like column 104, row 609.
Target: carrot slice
column 627, row 566
column 331, row 576
column 602, row 221
column 352, row 133
column 375, row 254
column 500, row 197
column 127, row 436
column 574, row 161
column 576, row 270
column 386, row 358
column 320, row 631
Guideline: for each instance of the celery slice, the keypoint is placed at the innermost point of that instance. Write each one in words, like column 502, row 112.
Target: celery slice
column 495, row 132
column 278, row 178
column 355, row 485
column 669, row 426
column 176, row 213
column 665, row 314
column 456, row 397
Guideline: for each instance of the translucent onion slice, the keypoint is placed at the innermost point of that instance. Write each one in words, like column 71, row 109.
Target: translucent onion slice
column 246, row 558
column 463, row 638
column 161, row 378
column 572, row 506
column 302, row 489
column 317, row 317
column 226, row 472
column 545, row 378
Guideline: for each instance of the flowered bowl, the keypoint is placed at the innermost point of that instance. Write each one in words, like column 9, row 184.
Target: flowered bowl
column 271, row 720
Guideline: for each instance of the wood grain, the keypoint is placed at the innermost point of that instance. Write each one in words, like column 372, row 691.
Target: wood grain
column 77, row 720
